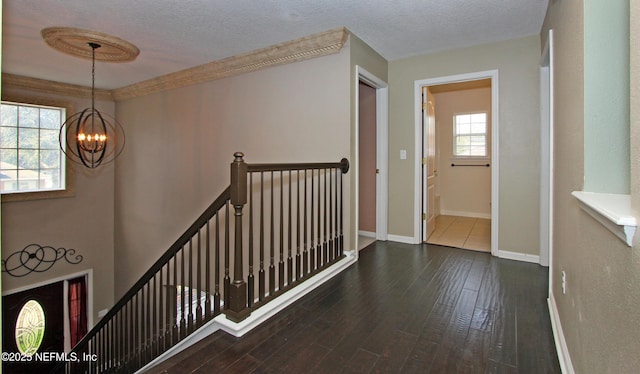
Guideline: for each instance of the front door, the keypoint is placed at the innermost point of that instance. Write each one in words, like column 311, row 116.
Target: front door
column 35, row 316
column 429, row 163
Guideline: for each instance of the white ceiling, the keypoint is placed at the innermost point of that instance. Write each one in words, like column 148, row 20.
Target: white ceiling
column 177, row 34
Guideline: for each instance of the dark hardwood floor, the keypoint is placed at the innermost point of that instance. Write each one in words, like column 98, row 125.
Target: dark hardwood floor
column 402, row 308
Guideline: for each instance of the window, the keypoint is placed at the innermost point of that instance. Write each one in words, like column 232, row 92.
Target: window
column 470, row 135
column 30, row 157
column 32, row 166
column 30, row 328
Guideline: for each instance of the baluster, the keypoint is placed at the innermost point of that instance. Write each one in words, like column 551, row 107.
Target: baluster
column 319, row 243
column 227, row 279
column 207, row 274
column 325, row 244
column 281, row 257
column 331, row 233
column 216, row 294
column 312, row 254
column 147, row 337
column 272, row 268
column 250, row 280
column 189, row 289
column 174, row 301
column 305, row 255
column 261, row 274
column 290, row 259
column 298, row 268
column 161, row 316
column 198, row 322
column 344, row 169
column 183, row 297
column 335, row 217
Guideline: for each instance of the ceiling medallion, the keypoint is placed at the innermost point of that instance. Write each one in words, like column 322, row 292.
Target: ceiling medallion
column 76, row 42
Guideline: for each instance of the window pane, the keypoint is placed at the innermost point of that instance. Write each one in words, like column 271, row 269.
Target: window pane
column 463, row 128
column 28, row 138
column 478, row 128
column 28, row 159
column 9, row 180
column 30, row 327
column 477, row 151
column 50, row 119
column 49, row 159
column 8, row 115
column 50, row 178
column 28, row 117
column 479, row 117
column 49, row 139
column 9, row 158
column 9, row 137
column 28, row 180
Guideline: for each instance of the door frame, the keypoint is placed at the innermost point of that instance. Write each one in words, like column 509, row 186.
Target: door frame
column 65, row 278
column 382, row 150
column 495, row 148
column 546, row 154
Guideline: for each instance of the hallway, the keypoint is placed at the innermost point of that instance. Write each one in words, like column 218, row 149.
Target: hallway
column 400, row 308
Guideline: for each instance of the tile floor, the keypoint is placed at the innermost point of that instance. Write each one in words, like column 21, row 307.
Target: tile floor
column 462, row 232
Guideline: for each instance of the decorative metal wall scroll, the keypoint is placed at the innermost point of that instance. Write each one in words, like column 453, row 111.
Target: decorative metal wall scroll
column 38, row 259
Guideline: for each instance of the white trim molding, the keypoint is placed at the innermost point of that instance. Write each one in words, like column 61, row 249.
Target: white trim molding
column 613, row 211
column 402, row 239
column 564, row 358
column 495, row 147
column 519, row 256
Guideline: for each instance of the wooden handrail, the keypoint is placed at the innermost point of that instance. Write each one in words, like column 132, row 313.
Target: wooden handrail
column 146, row 320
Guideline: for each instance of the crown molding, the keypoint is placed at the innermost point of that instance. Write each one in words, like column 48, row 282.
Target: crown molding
column 317, row 45
column 312, row 46
column 51, row 87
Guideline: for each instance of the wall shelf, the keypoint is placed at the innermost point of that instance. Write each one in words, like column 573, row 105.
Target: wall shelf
column 613, row 211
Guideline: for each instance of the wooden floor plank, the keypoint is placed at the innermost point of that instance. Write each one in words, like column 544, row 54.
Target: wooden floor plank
column 402, row 309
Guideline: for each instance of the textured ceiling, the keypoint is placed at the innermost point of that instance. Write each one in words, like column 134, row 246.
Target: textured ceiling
column 173, row 35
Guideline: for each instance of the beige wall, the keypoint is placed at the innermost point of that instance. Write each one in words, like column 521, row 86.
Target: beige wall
column 180, row 144
column 599, row 312
column 463, row 190
column 83, row 222
column 367, row 159
column 517, row 61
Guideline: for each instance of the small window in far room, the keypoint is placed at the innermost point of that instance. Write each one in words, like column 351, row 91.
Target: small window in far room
column 470, row 135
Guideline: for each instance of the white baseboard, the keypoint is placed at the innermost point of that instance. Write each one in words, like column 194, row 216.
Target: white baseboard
column 558, row 336
column 401, row 239
column 465, row 214
column 519, row 256
column 367, row 234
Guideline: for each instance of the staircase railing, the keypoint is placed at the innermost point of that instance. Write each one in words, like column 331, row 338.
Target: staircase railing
column 299, row 231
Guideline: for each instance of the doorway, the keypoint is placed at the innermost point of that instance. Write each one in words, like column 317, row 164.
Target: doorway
column 50, row 317
column 463, row 200
column 371, row 158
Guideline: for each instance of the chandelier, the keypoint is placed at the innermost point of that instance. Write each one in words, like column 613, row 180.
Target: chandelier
column 91, row 138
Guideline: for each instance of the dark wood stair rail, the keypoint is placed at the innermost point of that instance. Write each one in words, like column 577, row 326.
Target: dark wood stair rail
column 169, row 302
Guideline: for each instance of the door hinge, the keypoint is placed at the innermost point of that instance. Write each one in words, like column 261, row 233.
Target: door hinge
column 424, row 161
column 424, row 216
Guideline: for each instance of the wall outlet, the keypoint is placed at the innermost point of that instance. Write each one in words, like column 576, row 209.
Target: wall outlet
column 564, row 283
column 403, row 154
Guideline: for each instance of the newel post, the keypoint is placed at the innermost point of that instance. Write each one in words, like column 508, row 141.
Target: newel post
column 237, row 309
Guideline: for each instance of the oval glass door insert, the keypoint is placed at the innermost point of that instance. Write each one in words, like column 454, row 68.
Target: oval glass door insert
column 30, row 328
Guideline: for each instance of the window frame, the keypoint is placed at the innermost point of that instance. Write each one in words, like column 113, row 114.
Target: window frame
column 487, row 134
column 69, row 189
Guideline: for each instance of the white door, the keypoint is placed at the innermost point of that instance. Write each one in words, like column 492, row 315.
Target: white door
column 429, row 163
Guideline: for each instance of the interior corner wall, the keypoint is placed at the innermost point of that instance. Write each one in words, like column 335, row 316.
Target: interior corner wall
column 519, row 121
column 367, row 58
column 83, row 222
column 180, row 144
column 599, row 311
